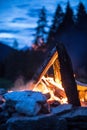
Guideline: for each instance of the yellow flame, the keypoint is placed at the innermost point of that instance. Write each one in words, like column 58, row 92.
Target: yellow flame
column 47, row 85
column 43, row 87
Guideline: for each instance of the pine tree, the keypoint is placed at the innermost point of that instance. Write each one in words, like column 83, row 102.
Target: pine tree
column 41, row 25
column 68, row 18
column 15, row 44
column 58, row 17
column 81, row 16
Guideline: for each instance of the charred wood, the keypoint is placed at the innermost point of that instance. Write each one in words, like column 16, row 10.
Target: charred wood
column 67, row 76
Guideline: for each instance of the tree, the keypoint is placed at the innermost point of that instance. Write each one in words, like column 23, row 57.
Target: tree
column 15, row 44
column 81, row 16
column 67, row 23
column 58, row 17
column 42, row 24
column 68, row 17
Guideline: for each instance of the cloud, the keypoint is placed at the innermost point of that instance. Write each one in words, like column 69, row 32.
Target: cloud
column 18, row 20
column 23, row 6
column 33, row 12
column 9, row 31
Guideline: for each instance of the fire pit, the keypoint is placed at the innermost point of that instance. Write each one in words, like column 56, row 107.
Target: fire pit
column 50, row 102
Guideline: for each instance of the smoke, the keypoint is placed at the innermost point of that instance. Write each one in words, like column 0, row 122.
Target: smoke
column 20, row 84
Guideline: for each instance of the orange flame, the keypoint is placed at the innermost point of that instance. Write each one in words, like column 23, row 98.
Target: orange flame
column 55, row 89
column 47, row 86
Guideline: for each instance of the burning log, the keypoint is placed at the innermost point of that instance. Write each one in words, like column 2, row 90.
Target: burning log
column 56, row 68
column 45, row 66
column 59, row 92
column 67, row 76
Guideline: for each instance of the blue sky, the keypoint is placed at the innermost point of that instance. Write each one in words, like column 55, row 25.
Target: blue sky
column 18, row 18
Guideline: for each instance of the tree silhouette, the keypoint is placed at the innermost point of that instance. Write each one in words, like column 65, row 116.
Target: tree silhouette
column 68, row 18
column 15, row 44
column 41, row 26
column 68, row 21
column 81, row 16
column 58, row 17
column 23, row 63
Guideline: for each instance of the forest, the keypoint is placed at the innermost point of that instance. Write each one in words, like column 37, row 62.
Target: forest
column 67, row 27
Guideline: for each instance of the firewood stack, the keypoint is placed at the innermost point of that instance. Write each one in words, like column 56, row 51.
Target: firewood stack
column 63, row 71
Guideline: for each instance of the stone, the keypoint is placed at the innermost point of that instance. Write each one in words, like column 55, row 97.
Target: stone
column 2, row 91
column 76, row 118
column 3, row 117
column 28, row 107
column 3, row 126
column 64, row 108
column 76, row 113
column 26, row 102
column 24, row 95
column 36, row 123
column 2, row 100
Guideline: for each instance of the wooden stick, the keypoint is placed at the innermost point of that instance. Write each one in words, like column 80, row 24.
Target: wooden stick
column 45, row 66
column 59, row 92
column 56, row 68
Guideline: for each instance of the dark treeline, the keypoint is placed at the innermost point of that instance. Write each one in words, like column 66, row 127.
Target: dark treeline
column 71, row 29
column 21, row 64
column 64, row 21
column 68, row 28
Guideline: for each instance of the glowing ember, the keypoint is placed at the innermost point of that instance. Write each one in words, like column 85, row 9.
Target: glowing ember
column 48, row 85
column 56, row 91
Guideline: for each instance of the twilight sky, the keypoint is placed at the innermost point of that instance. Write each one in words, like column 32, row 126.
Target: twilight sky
column 18, row 18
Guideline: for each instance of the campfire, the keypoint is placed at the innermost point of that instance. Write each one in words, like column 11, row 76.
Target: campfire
column 48, row 94
column 56, row 91
column 53, row 84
